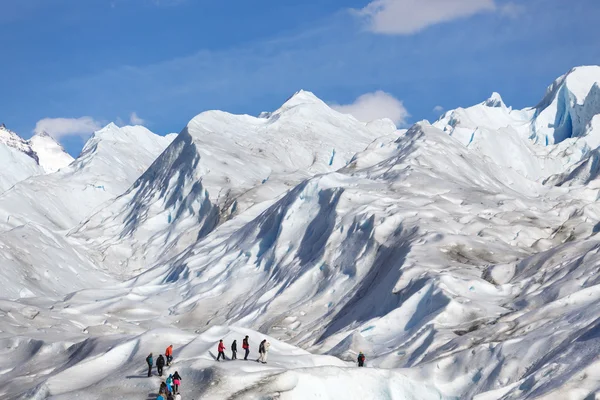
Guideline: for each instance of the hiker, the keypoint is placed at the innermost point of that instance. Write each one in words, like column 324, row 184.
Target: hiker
column 170, row 396
column 160, row 363
column 234, row 350
column 361, row 359
column 263, row 349
column 246, row 346
column 177, row 396
column 221, row 350
column 150, row 362
column 163, row 388
column 170, row 383
column 169, row 355
column 160, row 397
column 176, row 381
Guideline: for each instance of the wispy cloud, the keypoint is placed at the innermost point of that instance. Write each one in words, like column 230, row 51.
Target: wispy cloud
column 405, row 17
column 438, row 109
column 134, row 119
column 376, row 105
column 61, row 127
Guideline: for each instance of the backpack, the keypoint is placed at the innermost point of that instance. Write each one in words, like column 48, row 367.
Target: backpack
column 261, row 348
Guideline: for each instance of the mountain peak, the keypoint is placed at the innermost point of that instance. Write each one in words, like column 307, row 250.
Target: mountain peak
column 43, row 134
column 51, row 155
column 494, row 101
column 302, row 97
column 11, row 139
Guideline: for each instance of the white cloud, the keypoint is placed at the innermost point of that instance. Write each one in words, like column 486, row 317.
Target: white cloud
column 135, row 120
column 438, row 109
column 376, row 105
column 404, row 17
column 61, row 127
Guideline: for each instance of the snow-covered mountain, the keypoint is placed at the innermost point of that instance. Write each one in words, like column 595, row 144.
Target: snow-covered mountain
column 219, row 166
column 51, row 155
column 112, row 159
column 541, row 141
column 17, row 159
column 22, row 158
column 461, row 256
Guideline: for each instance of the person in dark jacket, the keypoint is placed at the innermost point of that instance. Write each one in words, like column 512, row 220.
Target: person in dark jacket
column 221, row 349
column 163, row 388
column 246, row 347
column 263, row 350
column 234, row 350
column 160, row 363
column 176, row 382
column 361, row 359
column 150, row 362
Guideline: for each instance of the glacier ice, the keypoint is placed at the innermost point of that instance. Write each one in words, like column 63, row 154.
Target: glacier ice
column 461, row 256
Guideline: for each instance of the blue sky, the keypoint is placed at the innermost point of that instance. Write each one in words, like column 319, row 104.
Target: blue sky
column 70, row 66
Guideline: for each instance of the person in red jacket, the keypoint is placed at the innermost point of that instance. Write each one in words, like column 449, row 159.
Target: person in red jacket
column 221, row 350
column 169, row 355
column 246, row 347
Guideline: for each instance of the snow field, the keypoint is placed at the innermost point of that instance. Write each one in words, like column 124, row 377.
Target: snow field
column 114, row 365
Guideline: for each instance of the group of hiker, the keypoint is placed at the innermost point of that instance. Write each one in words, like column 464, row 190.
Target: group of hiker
column 160, row 361
column 169, row 389
column 263, row 350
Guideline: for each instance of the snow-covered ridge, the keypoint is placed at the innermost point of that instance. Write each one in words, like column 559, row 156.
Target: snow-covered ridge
column 18, row 161
column 11, row 139
column 43, row 148
column 538, row 142
column 112, row 159
column 568, row 107
column 51, row 155
column 22, row 158
column 220, row 165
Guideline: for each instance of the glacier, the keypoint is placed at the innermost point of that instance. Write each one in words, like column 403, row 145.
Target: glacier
column 461, row 255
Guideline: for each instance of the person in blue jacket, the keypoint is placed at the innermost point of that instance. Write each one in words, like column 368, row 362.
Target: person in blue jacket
column 150, row 362
column 169, row 383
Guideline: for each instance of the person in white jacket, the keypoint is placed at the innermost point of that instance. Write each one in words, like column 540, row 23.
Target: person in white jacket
column 263, row 349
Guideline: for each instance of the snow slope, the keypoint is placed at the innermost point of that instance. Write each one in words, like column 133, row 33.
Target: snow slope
column 462, row 257
column 112, row 159
column 220, row 165
column 62, row 370
column 51, row 155
column 410, row 248
column 38, row 262
column 538, row 142
column 17, row 160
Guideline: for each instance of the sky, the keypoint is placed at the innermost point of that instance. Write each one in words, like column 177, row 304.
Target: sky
column 69, row 67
